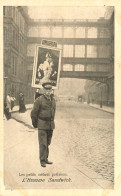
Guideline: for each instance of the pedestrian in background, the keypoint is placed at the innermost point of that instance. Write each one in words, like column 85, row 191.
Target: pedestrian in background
column 7, row 114
column 42, row 116
column 12, row 101
column 22, row 107
column 8, row 101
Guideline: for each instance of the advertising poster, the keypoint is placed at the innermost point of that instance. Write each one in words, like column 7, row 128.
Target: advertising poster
column 47, row 66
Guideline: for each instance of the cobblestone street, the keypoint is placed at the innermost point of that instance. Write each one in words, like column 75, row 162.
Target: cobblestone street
column 89, row 139
column 83, row 138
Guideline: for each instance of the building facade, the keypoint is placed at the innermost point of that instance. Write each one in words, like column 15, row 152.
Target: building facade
column 15, row 50
column 102, row 93
column 86, row 48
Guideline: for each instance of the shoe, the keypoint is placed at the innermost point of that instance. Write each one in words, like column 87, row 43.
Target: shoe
column 49, row 162
column 43, row 164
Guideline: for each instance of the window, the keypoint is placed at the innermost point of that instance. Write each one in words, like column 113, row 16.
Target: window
column 92, row 32
column 39, row 32
column 80, row 32
column 104, row 51
column 30, row 67
column 5, row 34
column 91, row 51
column 16, row 40
column 23, row 26
column 80, row 51
column 23, row 44
column 15, row 16
column 14, row 65
column 91, row 67
column 22, row 67
column 67, row 67
column 29, row 78
column 57, row 32
column 45, row 32
column 12, row 87
column 79, row 67
column 20, row 22
column 68, row 32
column 31, row 50
column 4, row 10
column 103, row 68
column 13, row 13
column 13, row 37
column 104, row 33
column 68, row 51
column 6, row 59
column 19, row 19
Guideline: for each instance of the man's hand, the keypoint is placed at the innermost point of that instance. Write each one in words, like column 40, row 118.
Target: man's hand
column 34, row 123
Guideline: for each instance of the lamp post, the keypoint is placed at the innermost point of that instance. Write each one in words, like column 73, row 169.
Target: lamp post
column 5, row 82
column 100, row 97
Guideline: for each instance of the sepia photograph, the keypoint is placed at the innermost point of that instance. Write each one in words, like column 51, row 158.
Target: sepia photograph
column 59, row 104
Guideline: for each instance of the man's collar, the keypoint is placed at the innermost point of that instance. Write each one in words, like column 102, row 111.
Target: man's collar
column 49, row 97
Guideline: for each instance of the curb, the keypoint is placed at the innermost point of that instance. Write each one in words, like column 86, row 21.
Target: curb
column 17, row 110
column 102, row 109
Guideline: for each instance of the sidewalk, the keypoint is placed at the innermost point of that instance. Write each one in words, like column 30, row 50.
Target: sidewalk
column 104, row 108
column 21, row 158
column 16, row 108
column 67, row 161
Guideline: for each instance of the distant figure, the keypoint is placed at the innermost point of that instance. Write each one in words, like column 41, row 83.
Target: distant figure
column 8, row 102
column 12, row 101
column 22, row 107
column 6, row 111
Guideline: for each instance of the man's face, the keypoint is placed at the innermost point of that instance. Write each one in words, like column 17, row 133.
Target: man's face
column 48, row 91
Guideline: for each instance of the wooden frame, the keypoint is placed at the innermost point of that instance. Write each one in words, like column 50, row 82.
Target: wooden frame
column 46, row 66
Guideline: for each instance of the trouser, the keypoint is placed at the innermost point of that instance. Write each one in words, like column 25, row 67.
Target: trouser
column 44, row 137
column 7, row 113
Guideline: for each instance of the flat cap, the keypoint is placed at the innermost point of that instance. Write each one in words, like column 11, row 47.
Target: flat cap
column 47, row 85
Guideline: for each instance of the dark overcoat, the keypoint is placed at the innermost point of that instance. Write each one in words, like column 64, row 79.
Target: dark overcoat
column 43, row 113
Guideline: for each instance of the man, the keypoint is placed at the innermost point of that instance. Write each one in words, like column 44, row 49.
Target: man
column 22, row 107
column 13, row 99
column 8, row 101
column 42, row 116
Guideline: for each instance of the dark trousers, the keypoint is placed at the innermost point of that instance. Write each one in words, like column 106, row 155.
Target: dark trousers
column 44, row 137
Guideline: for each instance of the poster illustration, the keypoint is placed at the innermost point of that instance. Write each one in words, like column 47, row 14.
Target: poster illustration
column 46, row 66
